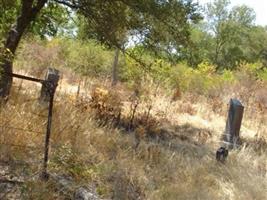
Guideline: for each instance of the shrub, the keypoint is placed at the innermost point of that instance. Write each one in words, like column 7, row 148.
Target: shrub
column 87, row 58
column 84, row 57
column 263, row 74
column 35, row 56
column 107, row 105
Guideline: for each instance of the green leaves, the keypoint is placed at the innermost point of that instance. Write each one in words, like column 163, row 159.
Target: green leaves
column 52, row 20
column 161, row 26
column 8, row 11
column 227, row 37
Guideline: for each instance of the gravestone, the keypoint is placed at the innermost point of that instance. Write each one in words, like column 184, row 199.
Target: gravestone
column 231, row 137
column 49, row 85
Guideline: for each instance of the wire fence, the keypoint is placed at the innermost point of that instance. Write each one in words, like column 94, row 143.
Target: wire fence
column 21, row 129
column 36, row 149
column 20, row 146
column 48, row 89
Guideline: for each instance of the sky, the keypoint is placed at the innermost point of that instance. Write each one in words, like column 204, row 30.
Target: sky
column 259, row 6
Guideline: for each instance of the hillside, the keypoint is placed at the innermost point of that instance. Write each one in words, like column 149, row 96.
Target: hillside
column 166, row 150
column 133, row 100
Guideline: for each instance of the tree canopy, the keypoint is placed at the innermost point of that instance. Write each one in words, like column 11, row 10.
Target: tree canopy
column 226, row 37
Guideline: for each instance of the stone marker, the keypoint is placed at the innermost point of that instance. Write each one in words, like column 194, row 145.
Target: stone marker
column 221, row 154
column 231, row 136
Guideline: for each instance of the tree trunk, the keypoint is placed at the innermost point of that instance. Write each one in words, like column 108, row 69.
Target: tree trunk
column 28, row 14
column 115, row 68
column 217, row 51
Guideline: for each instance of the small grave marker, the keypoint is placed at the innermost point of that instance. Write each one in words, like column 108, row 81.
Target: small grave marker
column 221, row 154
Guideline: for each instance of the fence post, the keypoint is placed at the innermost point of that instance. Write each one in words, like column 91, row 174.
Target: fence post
column 47, row 95
column 232, row 130
column 49, row 85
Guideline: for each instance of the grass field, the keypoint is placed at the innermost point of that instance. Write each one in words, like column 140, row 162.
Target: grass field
column 168, row 152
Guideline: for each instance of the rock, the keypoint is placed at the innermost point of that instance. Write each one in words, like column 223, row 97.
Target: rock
column 67, row 184
column 84, row 194
column 9, row 191
column 221, row 154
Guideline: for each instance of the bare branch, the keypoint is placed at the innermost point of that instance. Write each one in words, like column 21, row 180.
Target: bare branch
column 72, row 4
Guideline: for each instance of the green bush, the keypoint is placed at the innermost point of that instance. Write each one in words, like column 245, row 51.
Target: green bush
column 263, row 74
column 87, row 57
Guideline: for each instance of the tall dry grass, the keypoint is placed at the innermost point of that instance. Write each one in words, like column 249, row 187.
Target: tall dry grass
column 179, row 165
column 134, row 141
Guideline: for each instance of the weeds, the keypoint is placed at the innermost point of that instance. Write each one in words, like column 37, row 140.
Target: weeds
column 136, row 144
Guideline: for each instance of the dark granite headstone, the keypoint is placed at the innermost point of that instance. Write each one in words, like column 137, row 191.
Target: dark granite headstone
column 231, row 136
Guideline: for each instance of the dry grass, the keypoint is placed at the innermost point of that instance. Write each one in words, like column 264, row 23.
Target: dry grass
column 180, row 165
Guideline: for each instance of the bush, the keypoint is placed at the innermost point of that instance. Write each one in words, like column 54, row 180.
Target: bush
column 106, row 104
column 263, row 74
column 84, row 57
column 87, row 58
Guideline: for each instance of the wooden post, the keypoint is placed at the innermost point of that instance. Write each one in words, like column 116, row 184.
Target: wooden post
column 47, row 94
column 232, row 130
column 48, row 90
column 49, row 85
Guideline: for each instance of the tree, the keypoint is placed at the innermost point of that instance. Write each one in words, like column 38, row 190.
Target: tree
column 254, row 47
column 227, row 37
column 161, row 27
column 8, row 11
column 237, row 31
column 217, row 16
column 200, row 48
column 28, row 13
column 230, row 29
column 115, row 68
column 52, row 20
column 142, row 18
column 108, row 29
